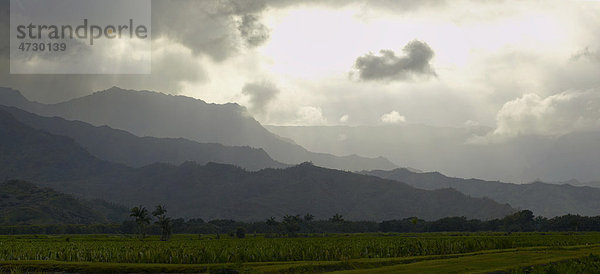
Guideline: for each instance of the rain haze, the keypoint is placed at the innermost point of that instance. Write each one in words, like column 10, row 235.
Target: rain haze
column 502, row 71
column 300, row 136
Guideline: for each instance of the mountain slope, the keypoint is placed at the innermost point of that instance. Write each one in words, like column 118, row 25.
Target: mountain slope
column 146, row 113
column 25, row 203
column 30, row 154
column 122, row 147
column 543, row 199
column 223, row 191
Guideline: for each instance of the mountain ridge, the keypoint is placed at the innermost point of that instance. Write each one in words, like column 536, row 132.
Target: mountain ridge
column 523, row 158
column 543, row 199
column 123, row 147
column 168, row 116
column 216, row 191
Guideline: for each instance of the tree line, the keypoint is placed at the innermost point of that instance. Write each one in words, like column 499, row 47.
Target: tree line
column 292, row 225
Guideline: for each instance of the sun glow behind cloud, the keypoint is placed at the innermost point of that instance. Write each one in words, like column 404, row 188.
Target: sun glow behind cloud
column 312, row 45
column 314, row 42
column 485, row 55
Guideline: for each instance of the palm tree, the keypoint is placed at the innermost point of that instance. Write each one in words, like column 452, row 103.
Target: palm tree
column 291, row 223
column 337, row 218
column 271, row 221
column 308, row 217
column 272, row 224
column 307, row 222
column 142, row 219
column 160, row 210
column 163, row 221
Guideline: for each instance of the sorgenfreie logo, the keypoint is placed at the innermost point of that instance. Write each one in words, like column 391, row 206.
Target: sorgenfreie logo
column 84, row 31
column 80, row 37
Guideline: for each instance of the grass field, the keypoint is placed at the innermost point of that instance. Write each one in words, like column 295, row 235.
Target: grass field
column 425, row 252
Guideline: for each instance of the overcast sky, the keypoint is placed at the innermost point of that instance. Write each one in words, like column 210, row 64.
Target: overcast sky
column 522, row 67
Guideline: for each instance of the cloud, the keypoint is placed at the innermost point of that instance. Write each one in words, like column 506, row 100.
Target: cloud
column 399, row 6
column 344, row 118
column 184, row 33
column 261, row 94
column 252, row 30
column 389, row 67
column 393, row 118
column 309, row 115
column 209, row 27
column 172, row 66
column 554, row 115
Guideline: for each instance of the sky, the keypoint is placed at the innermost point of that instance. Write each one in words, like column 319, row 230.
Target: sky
column 519, row 67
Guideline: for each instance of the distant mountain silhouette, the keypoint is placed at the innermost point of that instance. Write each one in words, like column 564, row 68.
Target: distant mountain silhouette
column 543, row 199
column 223, row 191
column 24, row 203
column 123, row 147
column 521, row 159
column 146, row 113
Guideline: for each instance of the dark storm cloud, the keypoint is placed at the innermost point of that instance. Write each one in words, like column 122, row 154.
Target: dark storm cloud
column 389, row 67
column 210, row 27
column 252, row 31
column 261, row 94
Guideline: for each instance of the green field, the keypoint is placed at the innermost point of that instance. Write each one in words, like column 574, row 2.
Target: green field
column 423, row 252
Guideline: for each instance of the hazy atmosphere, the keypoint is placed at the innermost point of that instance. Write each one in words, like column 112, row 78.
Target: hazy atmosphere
column 505, row 73
column 289, row 136
column 514, row 66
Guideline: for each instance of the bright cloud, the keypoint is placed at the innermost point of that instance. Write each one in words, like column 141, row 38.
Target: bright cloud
column 553, row 115
column 344, row 118
column 309, row 115
column 393, row 118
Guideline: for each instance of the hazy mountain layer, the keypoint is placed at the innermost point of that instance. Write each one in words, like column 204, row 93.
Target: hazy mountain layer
column 146, row 113
column 122, row 147
column 224, row 191
column 30, row 154
column 543, row 199
column 522, row 159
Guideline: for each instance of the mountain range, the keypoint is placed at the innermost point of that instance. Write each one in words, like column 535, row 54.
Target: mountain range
column 146, row 113
column 223, row 191
column 449, row 150
column 210, row 180
column 123, row 147
column 542, row 199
